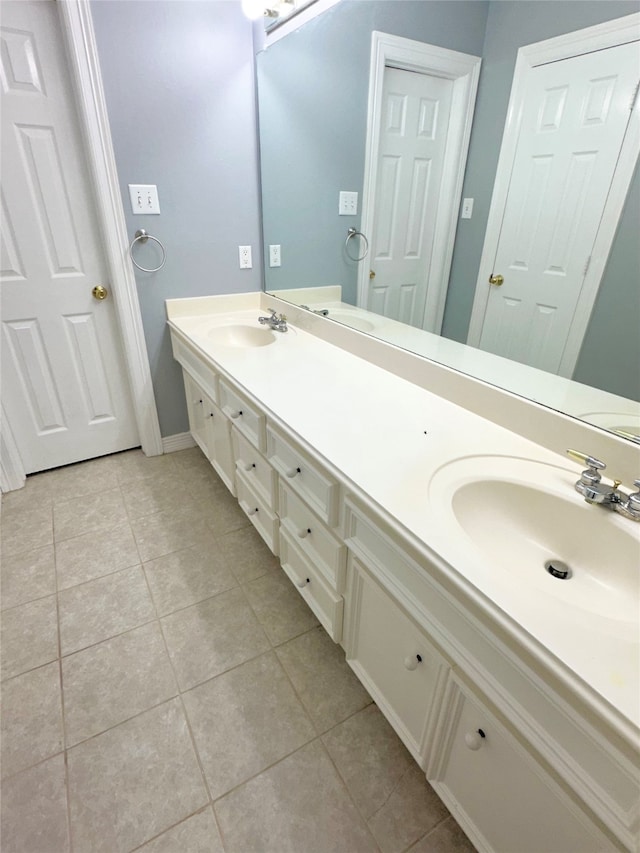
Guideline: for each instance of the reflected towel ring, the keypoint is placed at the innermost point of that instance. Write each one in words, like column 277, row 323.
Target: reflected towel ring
column 353, row 232
column 142, row 236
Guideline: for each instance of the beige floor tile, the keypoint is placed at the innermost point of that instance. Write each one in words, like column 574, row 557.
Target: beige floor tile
column 31, row 718
column 298, row 805
column 29, row 636
column 225, row 514
column 447, row 837
column 35, row 494
column 95, row 554
column 28, row 576
column 280, row 609
column 205, row 485
column 115, row 680
column 165, row 532
column 411, row 811
column 192, row 459
column 322, row 678
column 102, row 608
column 34, row 810
column 369, row 756
column 245, row 720
column 208, row 638
column 88, row 514
column 159, row 494
column 198, row 834
column 133, row 465
column 188, row 576
column 84, row 478
column 247, row 555
column 24, row 531
column 132, row 782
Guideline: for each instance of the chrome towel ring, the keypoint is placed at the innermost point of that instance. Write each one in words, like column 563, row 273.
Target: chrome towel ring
column 142, row 236
column 353, row 232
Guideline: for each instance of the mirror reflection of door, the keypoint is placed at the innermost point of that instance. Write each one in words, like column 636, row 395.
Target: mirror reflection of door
column 574, row 118
column 411, row 147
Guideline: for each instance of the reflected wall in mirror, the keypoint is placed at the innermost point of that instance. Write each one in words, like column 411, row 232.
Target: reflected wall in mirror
column 313, row 93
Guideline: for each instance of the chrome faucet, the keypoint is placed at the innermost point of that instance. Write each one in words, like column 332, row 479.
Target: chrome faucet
column 594, row 491
column 278, row 322
column 322, row 311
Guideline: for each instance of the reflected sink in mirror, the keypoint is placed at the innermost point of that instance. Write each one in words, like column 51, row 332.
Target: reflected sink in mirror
column 241, row 336
column 352, row 320
column 523, row 516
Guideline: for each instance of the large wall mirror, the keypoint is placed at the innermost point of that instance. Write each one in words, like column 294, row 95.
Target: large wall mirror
column 313, row 94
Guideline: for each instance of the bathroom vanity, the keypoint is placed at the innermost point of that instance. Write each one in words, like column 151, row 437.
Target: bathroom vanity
column 421, row 515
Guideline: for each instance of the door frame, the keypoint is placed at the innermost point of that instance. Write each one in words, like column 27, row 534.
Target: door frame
column 599, row 37
column 464, row 70
column 84, row 68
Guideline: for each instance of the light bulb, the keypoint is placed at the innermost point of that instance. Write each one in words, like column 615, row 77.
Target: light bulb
column 253, row 9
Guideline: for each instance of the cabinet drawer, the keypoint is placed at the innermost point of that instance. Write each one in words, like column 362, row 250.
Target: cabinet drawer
column 314, row 539
column 258, row 512
column 500, row 795
column 325, row 603
column 305, row 476
column 246, row 417
column 255, row 469
column 394, row 660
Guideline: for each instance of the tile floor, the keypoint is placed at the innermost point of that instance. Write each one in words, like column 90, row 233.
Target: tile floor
column 165, row 689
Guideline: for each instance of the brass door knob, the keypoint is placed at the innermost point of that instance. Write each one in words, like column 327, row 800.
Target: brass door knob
column 100, row 292
column 372, row 274
column 496, row 279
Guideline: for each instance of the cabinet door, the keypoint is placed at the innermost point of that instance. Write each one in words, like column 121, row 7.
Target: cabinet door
column 218, row 441
column 195, row 397
column 394, row 660
column 498, row 792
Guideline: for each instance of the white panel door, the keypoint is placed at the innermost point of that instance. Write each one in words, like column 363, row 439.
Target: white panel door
column 414, row 121
column 575, row 115
column 64, row 382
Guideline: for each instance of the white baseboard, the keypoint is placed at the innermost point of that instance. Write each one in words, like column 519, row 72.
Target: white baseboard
column 179, row 441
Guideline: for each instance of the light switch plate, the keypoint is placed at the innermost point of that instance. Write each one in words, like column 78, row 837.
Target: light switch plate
column 467, row 208
column 348, row 203
column 144, row 198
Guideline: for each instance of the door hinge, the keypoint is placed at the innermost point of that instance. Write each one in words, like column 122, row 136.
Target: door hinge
column 635, row 97
column 586, row 266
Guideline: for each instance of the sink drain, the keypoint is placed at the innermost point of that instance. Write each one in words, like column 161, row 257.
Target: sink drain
column 558, row 569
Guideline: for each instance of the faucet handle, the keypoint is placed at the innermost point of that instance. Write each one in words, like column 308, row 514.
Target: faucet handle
column 590, row 461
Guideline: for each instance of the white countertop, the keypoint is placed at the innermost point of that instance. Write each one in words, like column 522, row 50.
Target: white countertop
column 389, row 437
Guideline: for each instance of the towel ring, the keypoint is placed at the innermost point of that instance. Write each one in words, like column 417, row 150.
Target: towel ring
column 142, row 236
column 353, row 232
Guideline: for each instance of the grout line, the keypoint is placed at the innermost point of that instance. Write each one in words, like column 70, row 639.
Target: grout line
column 173, row 826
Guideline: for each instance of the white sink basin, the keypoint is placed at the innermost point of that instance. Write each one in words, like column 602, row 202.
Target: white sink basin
column 239, row 335
column 352, row 320
column 522, row 515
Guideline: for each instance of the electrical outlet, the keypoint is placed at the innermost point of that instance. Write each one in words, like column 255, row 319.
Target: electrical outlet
column 274, row 255
column 244, row 253
column 144, row 198
column 347, row 203
column 467, row 208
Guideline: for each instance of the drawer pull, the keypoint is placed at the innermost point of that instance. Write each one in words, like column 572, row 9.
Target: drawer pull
column 198, row 402
column 211, row 414
column 249, row 465
column 474, row 739
column 235, row 414
column 303, row 583
column 412, row 661
column 292, row 473
column 252, row 511
column 302, row 534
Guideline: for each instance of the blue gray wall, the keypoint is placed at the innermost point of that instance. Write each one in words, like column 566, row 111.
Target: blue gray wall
column 313, row 90
column 179, row 85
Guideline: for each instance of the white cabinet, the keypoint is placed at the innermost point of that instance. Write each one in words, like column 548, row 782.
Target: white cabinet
column 258, row 511
column 394, row 660
column 497, row 791
column 247, row 418
column 312, row 586
column 210, row 428
column 255, row 469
